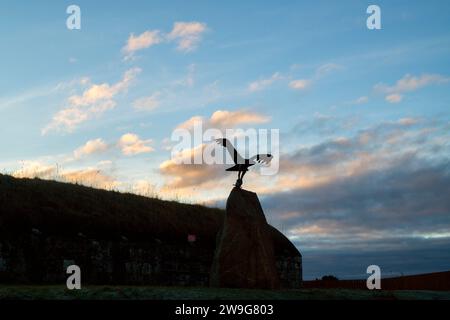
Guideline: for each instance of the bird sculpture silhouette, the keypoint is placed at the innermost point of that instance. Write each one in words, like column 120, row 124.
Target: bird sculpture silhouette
column 241, row 164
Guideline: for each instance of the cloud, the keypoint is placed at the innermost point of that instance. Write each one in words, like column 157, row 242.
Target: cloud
column 264, row 83
column 91, row 177
column 105, row 163
column 176, row 94
column 189, row 79
column 91, row 147
column 296, row 84
column 145, row 188
column 320, row 72
column 361, row 100
column 394, row 98
column 224, row 119
column 93, row 102
column 187, row 35
column 408, row 121
column 35, row 169
column 383, row 188
column 336, row 158
column 320, row 126
column 148, row 103
column 190, row 123
column 144, row 40
column 104, row 91
column 301, row 84
column 181, row 175
column 400, row 200
column 327, row 68
column 131, row 144
column 41, row 91
column 229, row 119
column 408, row 83
column 380, row 189
column 412, row 83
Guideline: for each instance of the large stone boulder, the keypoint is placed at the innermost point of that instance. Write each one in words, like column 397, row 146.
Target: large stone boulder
column 244, row 256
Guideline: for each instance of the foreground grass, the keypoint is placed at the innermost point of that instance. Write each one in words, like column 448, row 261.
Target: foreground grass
column 183, row 293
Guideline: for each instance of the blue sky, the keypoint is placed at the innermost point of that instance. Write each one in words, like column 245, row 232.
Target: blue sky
column 310, row 69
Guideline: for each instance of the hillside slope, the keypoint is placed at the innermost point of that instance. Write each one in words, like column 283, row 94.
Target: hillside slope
column 59, row 208
column 66, row 209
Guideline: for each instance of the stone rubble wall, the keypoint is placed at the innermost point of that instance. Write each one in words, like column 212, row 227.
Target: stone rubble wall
column 43, row 259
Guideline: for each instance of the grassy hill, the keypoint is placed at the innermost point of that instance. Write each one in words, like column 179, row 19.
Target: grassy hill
column 68, row 209
column 55, row 208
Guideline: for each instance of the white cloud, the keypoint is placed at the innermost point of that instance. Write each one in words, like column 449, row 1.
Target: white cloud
column 408, row 83
column 191, row 122
column 264, row 83
column 85, row 81
column 90, row 147
column 394, row 98
column 300, row 84
column 327, row 68
column 181, row 174
column 131, row 144
column 296, row 84
column 35, row 169
column 411, row 83
column 147, row 103
column 408, row 121
column 105, row 163
column 361, row 100
column 223, row 119
column 142, row 41
column 228, row 119
column 93, row 102
column 92, row 177
column 187, row 34
column 145, row 188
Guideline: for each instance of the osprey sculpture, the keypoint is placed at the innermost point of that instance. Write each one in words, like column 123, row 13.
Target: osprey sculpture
column 241, row 164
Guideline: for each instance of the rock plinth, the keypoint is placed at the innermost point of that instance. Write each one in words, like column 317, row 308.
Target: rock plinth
column 244, row 256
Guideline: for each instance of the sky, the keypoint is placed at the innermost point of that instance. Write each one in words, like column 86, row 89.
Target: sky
column 363, row 115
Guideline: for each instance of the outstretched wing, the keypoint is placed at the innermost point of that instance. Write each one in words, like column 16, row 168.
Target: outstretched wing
column 262, row 158
column 231, row 150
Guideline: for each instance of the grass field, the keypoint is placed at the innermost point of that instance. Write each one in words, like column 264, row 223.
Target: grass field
column 181, row 293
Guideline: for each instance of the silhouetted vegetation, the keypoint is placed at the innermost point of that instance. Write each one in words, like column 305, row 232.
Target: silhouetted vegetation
column 68, row 209
column 65, row 209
